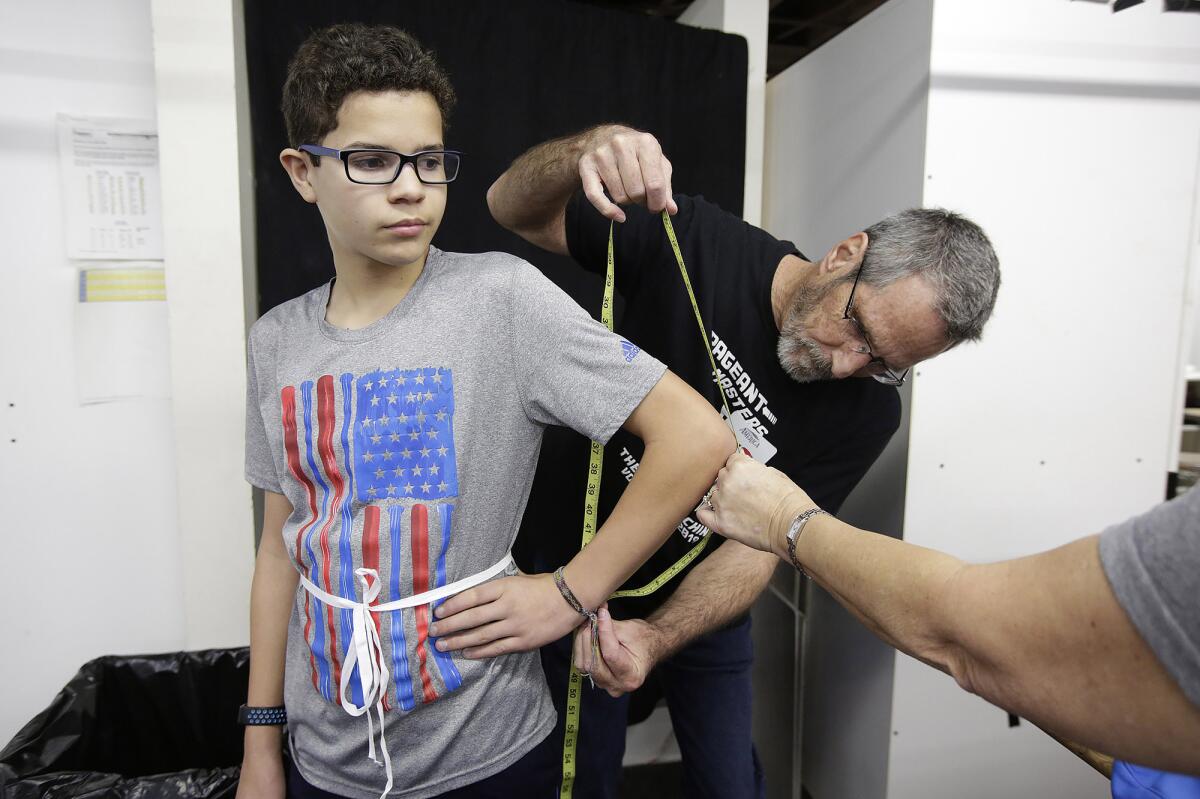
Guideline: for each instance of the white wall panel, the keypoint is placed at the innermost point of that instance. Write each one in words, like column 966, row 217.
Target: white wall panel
column 91, row 552
column 845, row 145
column 1058, row 422
column 846, row 129
column 197, row 67
column 1071, row 134
column 950, row 745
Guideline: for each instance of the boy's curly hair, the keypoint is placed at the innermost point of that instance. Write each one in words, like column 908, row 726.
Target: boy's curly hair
column 342, row 59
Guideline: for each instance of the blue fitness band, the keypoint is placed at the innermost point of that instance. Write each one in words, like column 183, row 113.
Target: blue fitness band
column 261, row 716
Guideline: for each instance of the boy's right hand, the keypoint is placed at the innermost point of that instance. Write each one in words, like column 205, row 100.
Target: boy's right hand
column 512, row 614
column 262, row 774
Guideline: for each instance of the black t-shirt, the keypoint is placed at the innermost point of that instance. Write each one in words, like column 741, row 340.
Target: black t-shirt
column 823, row 435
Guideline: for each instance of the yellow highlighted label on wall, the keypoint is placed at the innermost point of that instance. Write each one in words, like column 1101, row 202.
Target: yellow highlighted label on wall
column 122, row 285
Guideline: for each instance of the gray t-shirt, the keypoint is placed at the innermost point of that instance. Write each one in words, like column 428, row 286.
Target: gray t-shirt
column 1153, row 564
column 408, row 447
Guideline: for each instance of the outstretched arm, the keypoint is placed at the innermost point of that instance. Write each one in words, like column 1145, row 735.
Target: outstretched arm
column 1041, row 636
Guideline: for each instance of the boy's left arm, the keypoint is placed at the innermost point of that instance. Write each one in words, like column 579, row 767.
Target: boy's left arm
column 686, row 444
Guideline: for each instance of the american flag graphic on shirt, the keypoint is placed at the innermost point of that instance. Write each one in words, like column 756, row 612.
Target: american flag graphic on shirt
column 375, row 456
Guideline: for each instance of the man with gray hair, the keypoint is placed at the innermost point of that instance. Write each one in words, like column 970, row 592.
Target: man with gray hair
column 784, row 330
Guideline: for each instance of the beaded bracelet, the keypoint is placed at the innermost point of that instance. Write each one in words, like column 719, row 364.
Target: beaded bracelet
column 561, row 581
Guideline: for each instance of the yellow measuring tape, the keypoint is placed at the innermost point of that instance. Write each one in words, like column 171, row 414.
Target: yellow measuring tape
column 592, row 496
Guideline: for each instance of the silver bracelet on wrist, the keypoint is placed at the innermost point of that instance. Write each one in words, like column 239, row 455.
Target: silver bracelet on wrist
column 793, row 533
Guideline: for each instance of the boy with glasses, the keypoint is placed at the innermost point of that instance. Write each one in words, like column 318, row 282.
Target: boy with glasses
column 394, row 418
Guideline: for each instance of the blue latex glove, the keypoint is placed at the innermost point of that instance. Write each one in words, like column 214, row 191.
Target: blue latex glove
column 1138, row 782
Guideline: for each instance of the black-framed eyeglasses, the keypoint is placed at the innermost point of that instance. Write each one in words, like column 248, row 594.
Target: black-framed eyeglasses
column 885, row 375
column 377, row 167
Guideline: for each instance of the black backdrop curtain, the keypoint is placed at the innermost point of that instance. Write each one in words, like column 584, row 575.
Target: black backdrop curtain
column 525, row 71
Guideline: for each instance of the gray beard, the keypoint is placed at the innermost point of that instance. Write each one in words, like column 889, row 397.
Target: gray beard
column 800, row 356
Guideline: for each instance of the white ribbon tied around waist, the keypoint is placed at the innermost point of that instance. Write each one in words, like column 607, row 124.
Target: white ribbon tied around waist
column 367, row 651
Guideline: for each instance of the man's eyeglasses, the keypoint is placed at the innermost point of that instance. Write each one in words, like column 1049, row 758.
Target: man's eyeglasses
column 377, row 167
column 884, row 375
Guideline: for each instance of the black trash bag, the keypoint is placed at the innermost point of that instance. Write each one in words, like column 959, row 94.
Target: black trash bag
column 136, row 726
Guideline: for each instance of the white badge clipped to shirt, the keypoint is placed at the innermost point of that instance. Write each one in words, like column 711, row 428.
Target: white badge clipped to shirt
column 750, row 437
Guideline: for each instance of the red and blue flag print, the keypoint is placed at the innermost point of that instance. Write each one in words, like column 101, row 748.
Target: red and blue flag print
column 374, row 454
